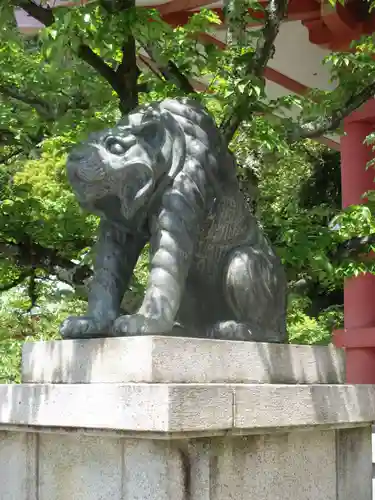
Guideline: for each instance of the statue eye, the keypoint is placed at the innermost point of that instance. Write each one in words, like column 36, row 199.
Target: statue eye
column 114, row 146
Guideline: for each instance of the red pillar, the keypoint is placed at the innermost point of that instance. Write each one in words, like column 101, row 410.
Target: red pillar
column 358, row 336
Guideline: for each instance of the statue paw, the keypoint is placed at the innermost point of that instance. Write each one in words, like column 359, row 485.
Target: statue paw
column 137, row 324
column 83, row 327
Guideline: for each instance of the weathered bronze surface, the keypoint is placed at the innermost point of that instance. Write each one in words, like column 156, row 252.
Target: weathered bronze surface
column 164, row 175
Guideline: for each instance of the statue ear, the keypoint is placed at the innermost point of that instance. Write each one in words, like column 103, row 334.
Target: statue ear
column 152, row 133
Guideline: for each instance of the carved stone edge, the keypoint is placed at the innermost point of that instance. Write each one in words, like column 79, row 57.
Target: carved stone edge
column 184, row 409
column 158, row 359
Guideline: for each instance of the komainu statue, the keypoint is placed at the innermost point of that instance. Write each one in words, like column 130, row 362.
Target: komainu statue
column 164, row 175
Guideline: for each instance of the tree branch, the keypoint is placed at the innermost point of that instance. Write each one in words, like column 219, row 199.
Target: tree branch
column 32, row 290
column 33, row 254
column 41, row 14
column 127, row 77
column 46, row 17
column 264, row 51
column 170, row 71
column 275, row 12
column 320, row 126
column 96, row 62
column 353, row 247
column 7, row 137
column 10, row 156
column 42, row 107
column 124, row 79
column 128, row 71
column 116, row 5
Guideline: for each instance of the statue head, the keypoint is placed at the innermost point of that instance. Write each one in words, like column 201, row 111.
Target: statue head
column 114, row 173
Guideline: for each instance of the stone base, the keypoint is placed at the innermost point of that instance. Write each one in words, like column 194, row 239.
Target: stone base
column 159, row 418
column 179, row 360
column 310, row 465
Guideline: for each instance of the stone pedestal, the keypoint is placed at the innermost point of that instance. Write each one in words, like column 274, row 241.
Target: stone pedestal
column 158, row 418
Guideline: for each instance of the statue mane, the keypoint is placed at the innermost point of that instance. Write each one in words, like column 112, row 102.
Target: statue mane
column 193, row 121
column 188, row 123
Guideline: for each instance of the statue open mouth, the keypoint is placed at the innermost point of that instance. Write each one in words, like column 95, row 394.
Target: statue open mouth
column 138, row 182
column 122, row 195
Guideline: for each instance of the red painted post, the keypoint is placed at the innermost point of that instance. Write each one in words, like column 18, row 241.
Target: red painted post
column 358, row 336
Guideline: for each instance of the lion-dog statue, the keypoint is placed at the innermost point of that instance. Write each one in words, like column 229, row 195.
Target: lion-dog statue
column 164, row 175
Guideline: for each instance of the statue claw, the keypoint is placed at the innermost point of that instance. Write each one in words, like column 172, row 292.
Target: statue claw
column 137, row 324
column 83, row 327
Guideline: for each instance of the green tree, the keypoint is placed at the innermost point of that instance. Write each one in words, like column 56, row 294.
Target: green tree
column 95, row 62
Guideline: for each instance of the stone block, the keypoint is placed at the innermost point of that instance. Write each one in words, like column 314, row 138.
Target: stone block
column 129, row 407
column 79, row 467
column 354, row 464
column 153, row 470
column 18, row 466
column 293, row 466
column 275, row 406
column 179, row 360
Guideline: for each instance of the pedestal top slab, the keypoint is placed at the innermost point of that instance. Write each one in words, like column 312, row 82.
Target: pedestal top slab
column 183, row 410
column 159, row 359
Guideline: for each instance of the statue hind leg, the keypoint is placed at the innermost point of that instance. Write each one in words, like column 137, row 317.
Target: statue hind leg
column 254, row 287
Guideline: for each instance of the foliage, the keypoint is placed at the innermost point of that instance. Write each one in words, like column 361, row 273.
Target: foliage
column 304, row 329
column 18, row 326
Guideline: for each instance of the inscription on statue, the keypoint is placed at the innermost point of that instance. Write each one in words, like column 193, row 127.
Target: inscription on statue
column 164, row 175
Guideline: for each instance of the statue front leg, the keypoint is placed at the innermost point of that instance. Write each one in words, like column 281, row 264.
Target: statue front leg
column 113, row 268
column 173, row 241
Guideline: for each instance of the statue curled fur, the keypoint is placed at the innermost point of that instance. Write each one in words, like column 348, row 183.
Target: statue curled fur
column 164, row 175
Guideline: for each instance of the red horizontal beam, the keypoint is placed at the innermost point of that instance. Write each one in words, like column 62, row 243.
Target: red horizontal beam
column 280, row 79
column 269, row 73
column 330, row 143
column 298, row 10
column 178, row 12
column 286, row 82
column 354, row 338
